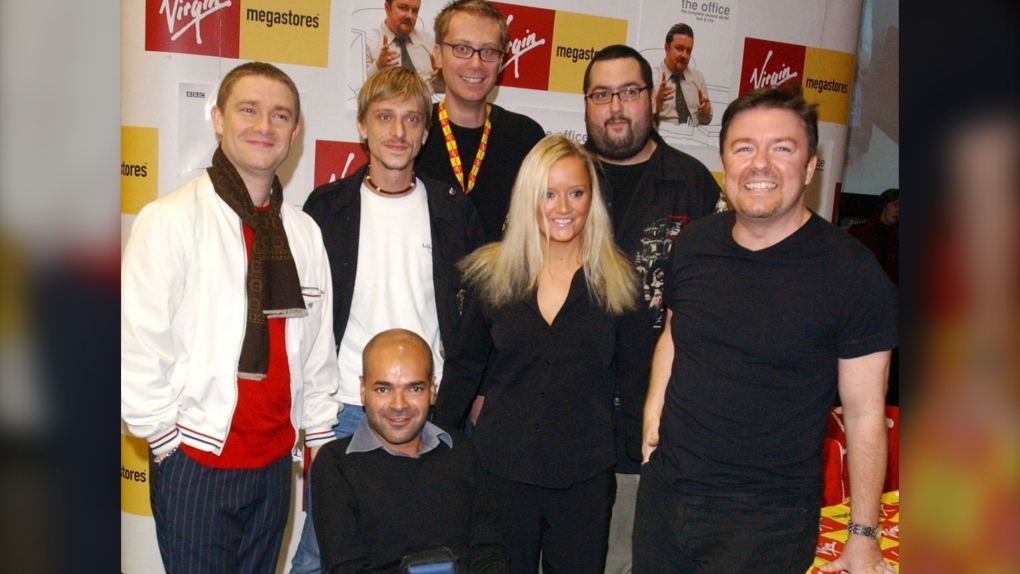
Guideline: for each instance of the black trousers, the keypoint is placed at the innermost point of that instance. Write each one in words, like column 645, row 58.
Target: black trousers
column 217, row 520
column 689, row 534
column 568, row 527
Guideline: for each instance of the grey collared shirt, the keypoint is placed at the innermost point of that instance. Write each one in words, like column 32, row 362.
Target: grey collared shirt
column 364, row 440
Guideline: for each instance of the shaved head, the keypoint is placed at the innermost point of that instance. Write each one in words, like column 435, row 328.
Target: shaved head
column 400, row 342
column 397, row 388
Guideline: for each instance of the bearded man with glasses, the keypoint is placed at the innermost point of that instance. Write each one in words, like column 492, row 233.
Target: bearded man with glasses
column 653, row 191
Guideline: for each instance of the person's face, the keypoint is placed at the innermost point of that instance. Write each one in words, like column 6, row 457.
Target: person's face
column 472, row 79
column 891, row 212
column 678, row 52
column 765, row 163
column 564, row 206
column 394, row 131
column 618, row 130
column 396, row 392
column 402, row 15
column 257, row 125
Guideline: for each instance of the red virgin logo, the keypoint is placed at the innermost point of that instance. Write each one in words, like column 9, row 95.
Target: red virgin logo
column 526, row 63
column 336, row 160
column 200, row 27
column 770, row 64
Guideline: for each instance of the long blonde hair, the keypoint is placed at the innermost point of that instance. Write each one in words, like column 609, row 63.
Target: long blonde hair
column 508, row 271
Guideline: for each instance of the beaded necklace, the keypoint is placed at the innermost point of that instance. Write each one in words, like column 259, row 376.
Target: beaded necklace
column 372, row 185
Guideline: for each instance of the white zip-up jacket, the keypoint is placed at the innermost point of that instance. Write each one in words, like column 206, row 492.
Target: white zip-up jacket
column 183, row 305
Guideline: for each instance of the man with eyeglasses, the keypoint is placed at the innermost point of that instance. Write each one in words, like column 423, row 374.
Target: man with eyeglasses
column 475, row 145
column 653, row 191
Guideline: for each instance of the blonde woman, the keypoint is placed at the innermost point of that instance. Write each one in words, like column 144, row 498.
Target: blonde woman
column 542, row 312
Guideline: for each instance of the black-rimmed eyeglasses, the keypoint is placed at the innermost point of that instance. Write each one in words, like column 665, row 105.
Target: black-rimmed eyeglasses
column 464, row 52
column 628, row 94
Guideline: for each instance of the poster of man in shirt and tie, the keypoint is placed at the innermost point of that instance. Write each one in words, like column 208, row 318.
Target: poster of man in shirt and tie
column 400, row 40
column 691, row 45
column 680, row 89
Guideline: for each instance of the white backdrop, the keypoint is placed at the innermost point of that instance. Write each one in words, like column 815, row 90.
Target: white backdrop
column 169, row 82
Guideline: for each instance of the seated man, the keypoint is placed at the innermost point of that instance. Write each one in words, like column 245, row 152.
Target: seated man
column 401, row 485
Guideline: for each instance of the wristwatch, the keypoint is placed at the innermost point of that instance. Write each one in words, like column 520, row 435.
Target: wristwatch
column 872, row 532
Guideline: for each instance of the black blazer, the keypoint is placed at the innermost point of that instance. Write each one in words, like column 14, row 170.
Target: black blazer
column 456, row 232
column 674, row 190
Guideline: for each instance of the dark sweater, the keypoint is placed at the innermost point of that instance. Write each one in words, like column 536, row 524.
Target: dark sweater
column 373, row 508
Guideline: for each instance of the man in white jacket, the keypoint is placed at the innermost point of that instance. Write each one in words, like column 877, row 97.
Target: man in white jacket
column 227, row 339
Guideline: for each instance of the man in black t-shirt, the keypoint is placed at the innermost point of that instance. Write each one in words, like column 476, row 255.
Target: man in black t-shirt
column 471, row 39
column 653, row 191
column 473, row 144
column 772, row 310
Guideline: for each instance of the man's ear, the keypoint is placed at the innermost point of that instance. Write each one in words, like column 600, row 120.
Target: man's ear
column 363, row 389
column 297, row 128
column 811, row 164
column 432, row 390
column 217, row 119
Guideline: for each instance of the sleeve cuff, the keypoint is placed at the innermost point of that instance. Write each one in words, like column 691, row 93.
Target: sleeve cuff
column 165, row 442
column 319, row 437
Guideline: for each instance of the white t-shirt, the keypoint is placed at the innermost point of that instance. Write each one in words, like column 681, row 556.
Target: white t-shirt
column 393, row 287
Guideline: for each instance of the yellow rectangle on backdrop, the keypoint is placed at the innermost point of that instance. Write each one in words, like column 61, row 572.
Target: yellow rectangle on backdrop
column 139, row 168
column 576, row 39
column 294, row 32
column 134, row 476
column 828, row 80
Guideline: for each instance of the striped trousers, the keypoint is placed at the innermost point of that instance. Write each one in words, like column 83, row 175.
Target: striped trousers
column 219, row 520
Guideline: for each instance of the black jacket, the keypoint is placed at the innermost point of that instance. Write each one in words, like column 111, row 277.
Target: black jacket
column 674, row 190
column 456, row 232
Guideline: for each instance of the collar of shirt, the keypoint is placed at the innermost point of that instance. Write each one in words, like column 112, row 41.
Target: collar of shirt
column 364, row 440
column 413, row 38
column 671, row 75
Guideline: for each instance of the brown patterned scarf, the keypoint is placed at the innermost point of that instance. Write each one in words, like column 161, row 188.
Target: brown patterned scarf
column 274, row 289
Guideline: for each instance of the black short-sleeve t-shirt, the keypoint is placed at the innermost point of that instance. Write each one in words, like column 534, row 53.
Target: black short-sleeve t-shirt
column 757, row 338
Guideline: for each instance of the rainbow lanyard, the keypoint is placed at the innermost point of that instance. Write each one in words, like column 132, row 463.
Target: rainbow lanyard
column 451, row 147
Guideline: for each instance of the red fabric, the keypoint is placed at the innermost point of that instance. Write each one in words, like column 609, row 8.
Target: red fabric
column 832, row 472
column 834, row 458
column 892, row 470
column 261, row 431
column 835, row 431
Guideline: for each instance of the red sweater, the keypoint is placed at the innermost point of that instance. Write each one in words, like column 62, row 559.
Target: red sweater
column 260, row 432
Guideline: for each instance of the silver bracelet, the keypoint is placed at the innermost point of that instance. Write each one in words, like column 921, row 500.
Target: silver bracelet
column 167, row 454
column 872, row 532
